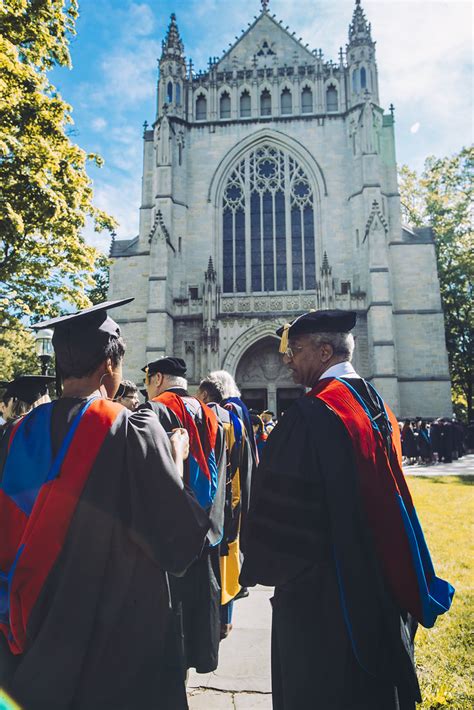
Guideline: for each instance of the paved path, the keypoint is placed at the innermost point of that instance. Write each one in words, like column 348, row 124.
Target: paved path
column 242, row 680
column 461, row 467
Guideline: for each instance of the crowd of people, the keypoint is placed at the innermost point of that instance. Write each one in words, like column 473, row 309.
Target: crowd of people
column 130, row 529
column 440, row 441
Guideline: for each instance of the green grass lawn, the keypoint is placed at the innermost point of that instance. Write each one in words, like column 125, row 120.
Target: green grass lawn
column 445, row 506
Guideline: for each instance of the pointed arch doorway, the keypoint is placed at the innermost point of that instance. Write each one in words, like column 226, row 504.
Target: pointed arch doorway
column 264, row 381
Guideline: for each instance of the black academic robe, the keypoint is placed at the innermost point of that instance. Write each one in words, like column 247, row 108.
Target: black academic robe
column 305, row 500
column 97, row 633
column 196, row 596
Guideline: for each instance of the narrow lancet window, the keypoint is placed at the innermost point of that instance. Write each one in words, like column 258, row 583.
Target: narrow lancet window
column 245, row 105
column 265, row 103
column 224, row 105
column 286, row 102
column 331, row 98
column 201, row 108
column 307, row 100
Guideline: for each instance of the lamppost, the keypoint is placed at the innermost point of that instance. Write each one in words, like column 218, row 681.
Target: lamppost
column 44, row 348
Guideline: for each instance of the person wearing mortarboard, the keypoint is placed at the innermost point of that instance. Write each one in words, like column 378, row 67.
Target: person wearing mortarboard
column 260, row 431
column 333, row 528
column 196, row 595
column 267, row 418
column 20, row 396
column 94, row 514
column 23, row 394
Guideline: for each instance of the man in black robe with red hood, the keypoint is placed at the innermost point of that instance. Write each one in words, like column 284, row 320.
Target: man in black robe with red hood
column 333, row 528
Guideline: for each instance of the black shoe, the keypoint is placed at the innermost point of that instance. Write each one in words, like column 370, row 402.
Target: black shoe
column 244, row 592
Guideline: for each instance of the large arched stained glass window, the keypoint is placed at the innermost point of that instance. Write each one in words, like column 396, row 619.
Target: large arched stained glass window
column 268, row 224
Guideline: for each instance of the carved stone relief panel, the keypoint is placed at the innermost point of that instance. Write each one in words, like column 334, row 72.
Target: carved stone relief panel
column 261, row 365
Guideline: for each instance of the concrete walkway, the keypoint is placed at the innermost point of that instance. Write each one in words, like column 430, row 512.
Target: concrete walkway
column 461, row 467
column 242, row 680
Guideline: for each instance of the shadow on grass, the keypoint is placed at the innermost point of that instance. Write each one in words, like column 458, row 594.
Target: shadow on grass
column 467, row 479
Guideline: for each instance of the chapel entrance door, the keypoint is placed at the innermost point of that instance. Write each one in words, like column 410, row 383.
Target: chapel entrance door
column 255, row 398
column 263, row 379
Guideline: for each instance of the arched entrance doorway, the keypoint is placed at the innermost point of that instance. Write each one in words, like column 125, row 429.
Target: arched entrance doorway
column 264, row 380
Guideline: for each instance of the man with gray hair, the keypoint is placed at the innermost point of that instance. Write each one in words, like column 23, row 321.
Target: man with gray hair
column 328, row 529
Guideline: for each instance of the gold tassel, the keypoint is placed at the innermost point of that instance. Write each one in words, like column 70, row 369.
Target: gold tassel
column 284, row 338
column 147, row 377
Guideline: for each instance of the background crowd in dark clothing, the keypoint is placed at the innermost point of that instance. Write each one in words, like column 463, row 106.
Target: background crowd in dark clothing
column 440, row 441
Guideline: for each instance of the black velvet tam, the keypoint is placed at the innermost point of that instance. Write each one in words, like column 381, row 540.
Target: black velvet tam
column 331, row 321
column 167, row 366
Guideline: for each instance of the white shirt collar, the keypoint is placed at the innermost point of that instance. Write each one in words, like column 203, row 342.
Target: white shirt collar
column 342, row 369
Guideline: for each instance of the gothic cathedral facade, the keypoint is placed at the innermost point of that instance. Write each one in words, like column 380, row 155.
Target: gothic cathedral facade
column 270, row 188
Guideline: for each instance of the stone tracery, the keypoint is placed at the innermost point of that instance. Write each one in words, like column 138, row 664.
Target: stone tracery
column 268, row 224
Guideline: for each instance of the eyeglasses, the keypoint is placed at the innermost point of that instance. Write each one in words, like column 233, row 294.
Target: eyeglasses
column 292, row 350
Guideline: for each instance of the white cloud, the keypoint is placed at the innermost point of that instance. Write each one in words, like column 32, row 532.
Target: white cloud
column 141, row 20
column 98, row 124
column 415, row 128
column 129, row 74
column 119, row 196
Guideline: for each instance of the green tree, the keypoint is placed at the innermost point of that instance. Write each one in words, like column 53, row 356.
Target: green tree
column 17, row 351
column 442, row 197
column 98, row 292
column 45, row 192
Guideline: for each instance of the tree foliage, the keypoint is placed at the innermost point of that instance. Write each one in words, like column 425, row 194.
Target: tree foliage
column 442, row 197
column 98, row 292
column 17, row 351
column 45, row 192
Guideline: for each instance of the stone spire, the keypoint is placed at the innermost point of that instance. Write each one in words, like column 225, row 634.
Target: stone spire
column 172, row 45
column 210, row 274
column 359, row 29
column 325, row 268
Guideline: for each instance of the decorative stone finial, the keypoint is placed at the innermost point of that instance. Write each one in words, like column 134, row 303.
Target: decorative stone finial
column 325, row 268
column 172, row 45
column 359, row 29
column 113, row 236
column 265, row 4
column 211, row 273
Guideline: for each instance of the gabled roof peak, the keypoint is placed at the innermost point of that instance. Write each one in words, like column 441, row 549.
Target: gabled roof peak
column 266, row 16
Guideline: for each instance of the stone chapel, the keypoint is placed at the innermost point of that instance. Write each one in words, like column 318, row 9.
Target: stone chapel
column 270, row 188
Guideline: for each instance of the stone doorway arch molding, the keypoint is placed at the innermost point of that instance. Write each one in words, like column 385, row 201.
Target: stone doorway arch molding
column 246, row 340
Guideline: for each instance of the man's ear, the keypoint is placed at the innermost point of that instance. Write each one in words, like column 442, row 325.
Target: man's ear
column 327, row 351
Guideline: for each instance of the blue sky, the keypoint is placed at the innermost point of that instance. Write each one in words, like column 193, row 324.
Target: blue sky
column 424, row 50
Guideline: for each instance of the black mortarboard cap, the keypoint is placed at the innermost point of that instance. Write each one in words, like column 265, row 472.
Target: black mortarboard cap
column 330, row 321
column 79, row 338
column 268, row 411
column 27, row 388
column 167, row 366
